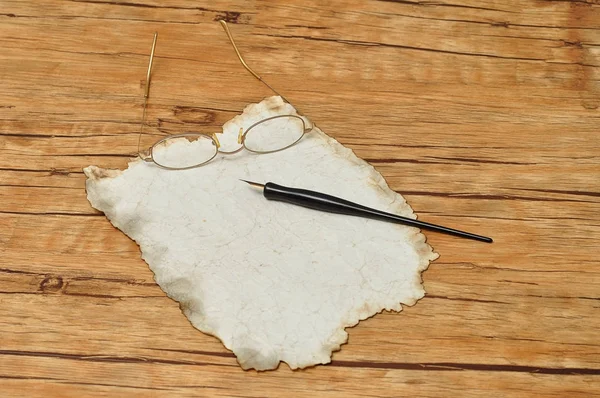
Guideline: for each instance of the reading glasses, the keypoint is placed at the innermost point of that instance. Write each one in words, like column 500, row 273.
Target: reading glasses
column 190, row 150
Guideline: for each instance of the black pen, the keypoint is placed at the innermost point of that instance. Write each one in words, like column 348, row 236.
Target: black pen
column 331, row 204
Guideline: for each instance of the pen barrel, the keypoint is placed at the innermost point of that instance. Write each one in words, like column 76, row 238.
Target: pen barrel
column 331, row 204
column 317, row 201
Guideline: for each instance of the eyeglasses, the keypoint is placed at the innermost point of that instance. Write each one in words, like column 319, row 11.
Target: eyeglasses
column 190, row 150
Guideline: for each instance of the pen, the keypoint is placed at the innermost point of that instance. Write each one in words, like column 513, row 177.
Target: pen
column 331, row 204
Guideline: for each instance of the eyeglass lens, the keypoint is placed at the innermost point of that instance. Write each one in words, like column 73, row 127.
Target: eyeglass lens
column 184, row 151
column 274, row 134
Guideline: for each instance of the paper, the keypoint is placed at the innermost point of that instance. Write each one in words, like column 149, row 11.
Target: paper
column 274, row 282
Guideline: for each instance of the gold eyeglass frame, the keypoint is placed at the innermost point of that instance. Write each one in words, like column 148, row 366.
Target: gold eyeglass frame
column 148, row 157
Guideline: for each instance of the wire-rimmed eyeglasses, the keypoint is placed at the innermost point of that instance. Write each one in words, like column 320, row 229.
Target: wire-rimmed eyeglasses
column 268, row 135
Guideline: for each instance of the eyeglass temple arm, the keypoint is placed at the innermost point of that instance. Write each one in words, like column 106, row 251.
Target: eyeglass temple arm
column 149, row 72
column 237, row 52
column 146, row 95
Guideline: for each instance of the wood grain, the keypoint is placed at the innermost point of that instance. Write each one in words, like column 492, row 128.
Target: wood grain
column 483, row 114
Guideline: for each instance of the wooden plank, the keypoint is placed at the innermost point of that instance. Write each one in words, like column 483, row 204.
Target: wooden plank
column 483, row 114
column 183, row 380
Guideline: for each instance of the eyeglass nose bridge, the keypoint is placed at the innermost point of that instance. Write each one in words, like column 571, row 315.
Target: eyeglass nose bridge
column 240, row 135
column 216, row 140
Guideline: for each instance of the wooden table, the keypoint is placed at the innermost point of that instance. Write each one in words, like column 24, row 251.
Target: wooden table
column 484, row 115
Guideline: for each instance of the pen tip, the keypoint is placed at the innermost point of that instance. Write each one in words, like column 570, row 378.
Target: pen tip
column 254, row 184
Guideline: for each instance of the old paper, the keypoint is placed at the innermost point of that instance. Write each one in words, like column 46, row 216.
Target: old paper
column 274, row 282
